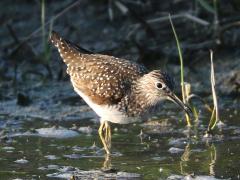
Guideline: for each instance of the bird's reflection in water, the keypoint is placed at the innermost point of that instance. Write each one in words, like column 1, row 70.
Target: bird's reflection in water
column 184, row 159
column 107, row 164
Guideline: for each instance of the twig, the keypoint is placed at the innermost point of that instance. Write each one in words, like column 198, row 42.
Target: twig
column 128, row 10
column 178, row 16
column 52, row 19
column 202, row 45
column 206, row 6
column 216, row 22
column 196, row 19
column 191, row 96
column 13, row 33
column 229, row 26
column 110, row 10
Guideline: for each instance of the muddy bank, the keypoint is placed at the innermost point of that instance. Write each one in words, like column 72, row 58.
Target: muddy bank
column 47, row 131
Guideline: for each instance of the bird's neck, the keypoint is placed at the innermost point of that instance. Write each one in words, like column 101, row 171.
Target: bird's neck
column 137, row 102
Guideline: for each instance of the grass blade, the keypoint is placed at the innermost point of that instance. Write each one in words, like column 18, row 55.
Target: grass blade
column 215, row 113
column 181, row 68
column 206, row 6
column 43, row 22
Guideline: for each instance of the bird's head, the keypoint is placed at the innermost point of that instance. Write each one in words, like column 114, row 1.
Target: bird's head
column 159, row 86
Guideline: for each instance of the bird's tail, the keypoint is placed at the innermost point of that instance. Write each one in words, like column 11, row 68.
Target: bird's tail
column 65, row 51
column 68, row 50
column 55, row 38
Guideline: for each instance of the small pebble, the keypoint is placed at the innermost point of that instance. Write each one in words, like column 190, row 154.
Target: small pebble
column 51, row 157
column 21, row 161
column 8, row 148
column 174, row 150
column 85, row 130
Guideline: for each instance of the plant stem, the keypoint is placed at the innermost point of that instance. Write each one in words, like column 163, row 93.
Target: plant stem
column 213, row 121
column 181, row 68
column 43, row 22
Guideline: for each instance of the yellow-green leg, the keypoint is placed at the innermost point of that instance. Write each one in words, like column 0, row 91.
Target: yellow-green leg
column 107, row 165
column 108, row 135
column 105, row 135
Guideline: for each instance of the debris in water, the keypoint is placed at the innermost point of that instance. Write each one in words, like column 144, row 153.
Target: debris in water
column 86, row 130
column 21, row 161
column 54, row 132
column 174, row 150
column 8, row 148
column 51, row 157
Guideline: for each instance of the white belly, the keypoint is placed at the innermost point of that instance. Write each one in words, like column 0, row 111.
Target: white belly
column 107, row 113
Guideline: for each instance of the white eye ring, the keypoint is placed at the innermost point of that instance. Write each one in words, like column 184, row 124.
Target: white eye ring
column 159, row 85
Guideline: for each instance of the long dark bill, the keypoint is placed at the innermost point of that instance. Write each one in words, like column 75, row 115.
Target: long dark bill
column 177, row 101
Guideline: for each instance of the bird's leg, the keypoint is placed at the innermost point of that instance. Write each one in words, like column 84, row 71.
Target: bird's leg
column 104, row 139
column 107, row 162
column 108, row 135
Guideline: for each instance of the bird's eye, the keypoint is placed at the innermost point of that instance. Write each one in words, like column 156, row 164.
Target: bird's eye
column 159, row 85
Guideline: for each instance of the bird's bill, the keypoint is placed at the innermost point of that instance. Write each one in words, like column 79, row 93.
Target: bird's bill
column 177, row 101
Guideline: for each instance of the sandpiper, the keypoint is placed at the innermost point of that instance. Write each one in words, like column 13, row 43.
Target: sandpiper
column 118, row 90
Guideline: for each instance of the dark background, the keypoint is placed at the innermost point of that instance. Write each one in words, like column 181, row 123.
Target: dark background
column 138, row 30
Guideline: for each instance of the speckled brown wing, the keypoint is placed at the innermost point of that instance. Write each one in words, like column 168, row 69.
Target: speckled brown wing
column 104, row 79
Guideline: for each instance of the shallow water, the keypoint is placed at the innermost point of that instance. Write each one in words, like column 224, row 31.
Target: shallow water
column 40, row 149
